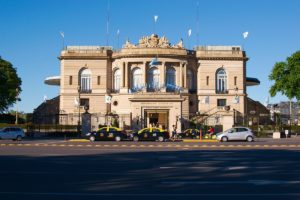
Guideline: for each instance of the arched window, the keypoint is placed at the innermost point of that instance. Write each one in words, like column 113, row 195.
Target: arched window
column 153, row 79
column 190, row 80
column 137, row 82
column 85, row 80
column 221, row 86
column 171, row 79
column 117, row 80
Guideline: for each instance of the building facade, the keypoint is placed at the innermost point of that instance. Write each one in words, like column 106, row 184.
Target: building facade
column 154, row 83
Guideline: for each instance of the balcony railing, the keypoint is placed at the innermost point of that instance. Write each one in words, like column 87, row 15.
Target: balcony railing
column 85, row 91
column 222, row 91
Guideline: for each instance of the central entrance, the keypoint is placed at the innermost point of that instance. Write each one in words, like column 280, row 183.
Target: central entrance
column 157, row 118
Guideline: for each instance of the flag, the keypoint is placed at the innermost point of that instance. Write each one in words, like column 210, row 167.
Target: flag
column 190, row 32
column 245, row 34
column 45, row 98
column 118, row 32
column 155, row 18
column 153, row 62
column 76, row 102
column 62, row 34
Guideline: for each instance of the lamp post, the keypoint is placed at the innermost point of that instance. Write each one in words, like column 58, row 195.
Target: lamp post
column 78, row 122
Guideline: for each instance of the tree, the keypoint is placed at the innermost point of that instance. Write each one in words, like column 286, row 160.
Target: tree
column 287, row 77
column 10, row 85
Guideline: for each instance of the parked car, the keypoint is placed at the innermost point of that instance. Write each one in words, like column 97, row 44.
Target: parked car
column 13, row 133
column 189, row 133
column 107, row 133
column 236, row 133
column 152, row 134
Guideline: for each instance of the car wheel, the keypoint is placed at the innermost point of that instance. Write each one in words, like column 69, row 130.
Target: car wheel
column 92, row 138
column 249, row 139
column 135, row 138
column 161, row 138
column 19, row 138
column 224, row 139
column 117, row 138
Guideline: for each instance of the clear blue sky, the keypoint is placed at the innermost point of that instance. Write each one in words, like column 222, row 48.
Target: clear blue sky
column 30, row 39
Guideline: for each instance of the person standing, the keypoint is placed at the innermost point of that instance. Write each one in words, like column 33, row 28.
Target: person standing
column 174, row 132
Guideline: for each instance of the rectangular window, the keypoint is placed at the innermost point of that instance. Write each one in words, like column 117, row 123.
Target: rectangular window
column 84, row 102
column 221, row 102
column 207, row 80
column 235, row 80
column 70, row 80
column 98, row 80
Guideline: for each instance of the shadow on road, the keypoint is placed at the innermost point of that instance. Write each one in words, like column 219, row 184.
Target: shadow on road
column 247, row 174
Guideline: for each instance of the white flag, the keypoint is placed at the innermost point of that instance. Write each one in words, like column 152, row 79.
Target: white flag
column 118, row 32
column 245, row 34
column 45, row 98
column 76, row 102
column 62, row 34
column 155, row 18
column 190, row 32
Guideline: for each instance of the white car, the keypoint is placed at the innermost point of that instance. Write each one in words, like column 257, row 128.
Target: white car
column 13, row 133
column 236, row 133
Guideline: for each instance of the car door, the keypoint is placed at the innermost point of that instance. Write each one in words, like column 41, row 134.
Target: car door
column 233, row 134
column 145, row 134
column 242, row 133
column 111, row 133
column 155, row 133
column 5, row 133
column 102, row 133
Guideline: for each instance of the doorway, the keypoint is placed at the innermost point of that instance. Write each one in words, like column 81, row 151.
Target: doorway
column 157, row 118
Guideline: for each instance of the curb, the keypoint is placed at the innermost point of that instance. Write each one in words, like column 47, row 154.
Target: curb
column 197, row 140
column 78, row 140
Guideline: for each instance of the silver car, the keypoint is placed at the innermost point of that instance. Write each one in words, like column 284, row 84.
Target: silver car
column 13, row 133
column 236, row 133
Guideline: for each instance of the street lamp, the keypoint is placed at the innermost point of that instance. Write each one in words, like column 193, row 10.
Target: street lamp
column 78, row 122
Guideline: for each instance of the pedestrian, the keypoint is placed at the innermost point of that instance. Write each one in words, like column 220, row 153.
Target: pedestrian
column 174, row 132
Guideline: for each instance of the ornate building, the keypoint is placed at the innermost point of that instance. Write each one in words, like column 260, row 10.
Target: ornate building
column 154, row 83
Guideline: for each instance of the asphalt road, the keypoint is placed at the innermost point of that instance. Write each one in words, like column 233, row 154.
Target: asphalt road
column 54, row 169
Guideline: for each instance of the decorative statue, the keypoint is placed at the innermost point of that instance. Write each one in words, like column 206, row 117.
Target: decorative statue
column 179, row 45
column 128, row 44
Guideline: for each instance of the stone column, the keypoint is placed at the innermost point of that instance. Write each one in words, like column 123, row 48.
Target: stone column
column 180, row 74
column 185, row 75
column 163, row 76
column 122, row 68
column 126, row 75
column 124, row 88
column 145, row 76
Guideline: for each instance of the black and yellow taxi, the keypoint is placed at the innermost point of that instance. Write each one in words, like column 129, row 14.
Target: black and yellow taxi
column 150, row 134
column 189, row 133
column 107, row 133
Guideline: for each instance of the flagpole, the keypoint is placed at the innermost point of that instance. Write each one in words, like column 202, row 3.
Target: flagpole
column 107, row 24
column 62, row 34
column 154, row 25
column 189, row 35
column 197, row 16
column 118, row 38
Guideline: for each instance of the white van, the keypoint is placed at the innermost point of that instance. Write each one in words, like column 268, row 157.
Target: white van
column 12, row 133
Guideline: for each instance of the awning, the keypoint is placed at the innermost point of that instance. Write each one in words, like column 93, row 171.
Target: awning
column 52, row 80
column 252, row 81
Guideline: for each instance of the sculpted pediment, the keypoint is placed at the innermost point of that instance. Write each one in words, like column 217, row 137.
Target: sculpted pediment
column 153, row 41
